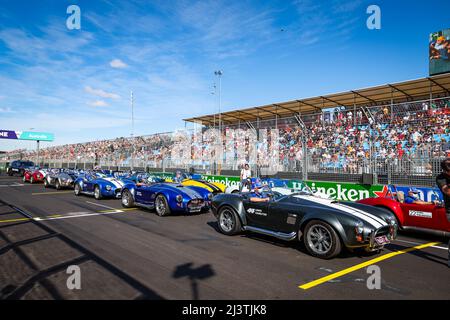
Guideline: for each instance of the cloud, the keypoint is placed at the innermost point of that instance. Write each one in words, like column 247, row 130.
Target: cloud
column 101, row 93
column 6, row 110
column 98, row 103
column 117, row 63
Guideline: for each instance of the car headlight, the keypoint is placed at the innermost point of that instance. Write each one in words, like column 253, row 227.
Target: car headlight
column 179, row 198
column 108, row 187
column 359, row 229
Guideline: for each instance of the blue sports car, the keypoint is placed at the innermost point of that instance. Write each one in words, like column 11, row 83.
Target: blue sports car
column 166, row 197
column 99, row 185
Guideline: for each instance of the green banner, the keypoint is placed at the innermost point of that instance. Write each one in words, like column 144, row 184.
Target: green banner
column 335, row 190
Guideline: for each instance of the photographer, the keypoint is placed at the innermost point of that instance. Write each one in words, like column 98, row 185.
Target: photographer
column 443, row 183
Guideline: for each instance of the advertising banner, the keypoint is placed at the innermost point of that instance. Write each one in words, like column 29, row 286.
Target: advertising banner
column 335, row 190
column 26, row 135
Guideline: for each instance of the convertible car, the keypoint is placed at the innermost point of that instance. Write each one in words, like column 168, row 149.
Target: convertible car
column 33, row 175
column 60, row 178
column 166, row 197
column 99, row 185
column 324, row 225
column 197, row 181
column 430, row 218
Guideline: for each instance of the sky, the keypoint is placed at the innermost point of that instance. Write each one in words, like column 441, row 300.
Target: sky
column 77, row 83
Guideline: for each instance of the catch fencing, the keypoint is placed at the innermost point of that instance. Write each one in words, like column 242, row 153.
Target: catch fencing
column 389, row 143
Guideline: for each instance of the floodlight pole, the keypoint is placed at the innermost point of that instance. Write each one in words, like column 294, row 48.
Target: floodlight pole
column 132, row 131
column 37, row 152
column 219, row 74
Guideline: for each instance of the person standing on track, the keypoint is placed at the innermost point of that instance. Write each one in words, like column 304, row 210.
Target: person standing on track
column 246, row 174
column 443, row 183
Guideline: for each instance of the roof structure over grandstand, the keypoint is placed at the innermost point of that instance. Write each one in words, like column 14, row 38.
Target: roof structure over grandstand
column 384, row 94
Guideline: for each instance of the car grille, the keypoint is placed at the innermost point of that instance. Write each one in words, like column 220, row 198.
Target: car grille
column 383, row 231
column 195, row 203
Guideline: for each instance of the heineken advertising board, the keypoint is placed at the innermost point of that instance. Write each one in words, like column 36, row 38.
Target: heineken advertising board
column 335, row 190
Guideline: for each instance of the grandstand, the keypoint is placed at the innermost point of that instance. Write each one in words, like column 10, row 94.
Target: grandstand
column 394, row 133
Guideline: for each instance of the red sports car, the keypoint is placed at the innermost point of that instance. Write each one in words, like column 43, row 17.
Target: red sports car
column 430, row 218
column 33, row 175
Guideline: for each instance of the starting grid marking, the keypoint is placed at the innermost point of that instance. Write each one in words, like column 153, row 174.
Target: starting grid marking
column 70, row 215
column 14, row 184
column 341, row 273
column 50, row 192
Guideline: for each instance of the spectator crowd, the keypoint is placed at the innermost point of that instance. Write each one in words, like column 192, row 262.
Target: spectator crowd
column 338, row 138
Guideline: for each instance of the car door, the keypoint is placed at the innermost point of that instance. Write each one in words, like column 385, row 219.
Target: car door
column 88, row 183
column 419, row 215
column 142, row 194
column 256, row 213
column 284, row 214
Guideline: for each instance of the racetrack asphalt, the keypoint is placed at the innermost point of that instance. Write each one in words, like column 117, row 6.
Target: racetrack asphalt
column 135, row 254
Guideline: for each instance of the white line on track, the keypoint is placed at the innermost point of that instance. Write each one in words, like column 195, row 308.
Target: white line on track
column 101, row 205
column 77, row 215
column 417, row 243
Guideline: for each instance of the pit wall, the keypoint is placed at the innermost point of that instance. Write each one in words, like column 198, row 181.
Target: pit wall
column 340, row 191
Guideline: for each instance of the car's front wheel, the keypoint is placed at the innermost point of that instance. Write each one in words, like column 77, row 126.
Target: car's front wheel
column 24, row 179
column 161, row 206
column 127, row 199
column 321, row 240
column 31, row 180
column 229, row 222
column 57, row 185
column 77, row 189
column 97, row 193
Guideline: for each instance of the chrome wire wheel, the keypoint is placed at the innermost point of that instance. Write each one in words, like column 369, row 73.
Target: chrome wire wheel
column 226, row 220
column 77, row 189
column 160, row 205
column 97, row 193
column 319, row 239
column 126, row 198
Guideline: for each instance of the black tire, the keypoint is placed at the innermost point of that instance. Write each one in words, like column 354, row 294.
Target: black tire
column 45, row 183
column 9, row 171
column 127, row 199
column 97, row 193
column 161, row 206
column 57, row 185
column 321, row 240
column 24, row 179
column 228, row 221
column 77, row 189
column 31, row 180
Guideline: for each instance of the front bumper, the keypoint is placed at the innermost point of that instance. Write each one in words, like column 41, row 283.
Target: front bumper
column 384, row 235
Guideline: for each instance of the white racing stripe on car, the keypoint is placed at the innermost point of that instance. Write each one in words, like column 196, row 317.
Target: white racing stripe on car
column 369, row 218
column 115, row 182
column 367, row 214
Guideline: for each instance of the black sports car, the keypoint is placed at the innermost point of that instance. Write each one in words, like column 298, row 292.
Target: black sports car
column 19, row 167
column 324, row 225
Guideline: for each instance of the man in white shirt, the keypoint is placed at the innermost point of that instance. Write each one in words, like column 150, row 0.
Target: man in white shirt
column 246, row 174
